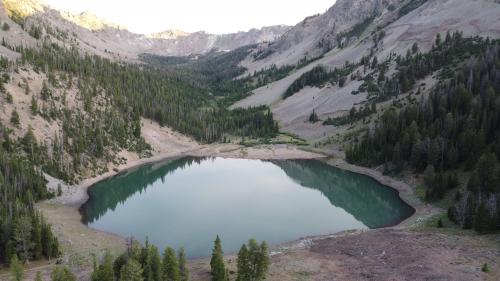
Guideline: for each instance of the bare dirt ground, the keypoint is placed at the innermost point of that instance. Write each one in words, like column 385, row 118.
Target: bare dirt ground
column 391, row 254
column 383, row 254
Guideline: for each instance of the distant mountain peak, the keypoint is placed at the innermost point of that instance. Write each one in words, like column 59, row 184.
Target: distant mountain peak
column 169, row 34
column 25, row 8
column 89, row 20
column 22, row 8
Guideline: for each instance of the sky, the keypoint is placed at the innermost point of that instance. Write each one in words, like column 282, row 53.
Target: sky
column 213, row 16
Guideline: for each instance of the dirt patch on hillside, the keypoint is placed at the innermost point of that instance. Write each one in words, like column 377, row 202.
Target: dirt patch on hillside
column 390, row 254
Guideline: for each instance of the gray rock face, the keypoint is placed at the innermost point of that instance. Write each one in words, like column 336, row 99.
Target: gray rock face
column 317, row 34
column 202, row 42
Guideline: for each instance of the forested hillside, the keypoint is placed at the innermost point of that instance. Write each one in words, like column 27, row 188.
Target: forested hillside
column 452, row 130
column 143, row 91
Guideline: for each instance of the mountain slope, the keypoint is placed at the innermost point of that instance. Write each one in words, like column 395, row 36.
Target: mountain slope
column 401, row 31
column 315, row 35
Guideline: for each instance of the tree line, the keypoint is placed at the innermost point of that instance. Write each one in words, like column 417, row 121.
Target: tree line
column 319, row 76
column 144, row 263
column 354, row 115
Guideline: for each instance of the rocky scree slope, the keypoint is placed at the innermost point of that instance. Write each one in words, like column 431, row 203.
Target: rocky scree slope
column 347, row 32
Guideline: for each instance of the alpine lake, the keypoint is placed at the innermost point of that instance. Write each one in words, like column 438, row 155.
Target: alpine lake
column 186, row 202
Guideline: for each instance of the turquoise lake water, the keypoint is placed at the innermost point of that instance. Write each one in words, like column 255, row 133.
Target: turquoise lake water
column 187, row 202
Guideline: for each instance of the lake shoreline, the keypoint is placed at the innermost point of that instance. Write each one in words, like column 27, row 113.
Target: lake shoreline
column 81, row 239
column 63, row 212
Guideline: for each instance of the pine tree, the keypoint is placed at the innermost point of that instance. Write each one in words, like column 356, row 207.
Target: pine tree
column 34, row 106
column 14, row 118
column 254, row 256
column 145, row 261
column 440, row 223
column 16, row 269
column 131, row 271
column 217, row 266
column 473, row 184
column 183, row 270
column 438, row 40
column 8, row 97
column 263, row 262
column 119, row 263
column 414, row 48
column 45, row 92
column 381, row 76
column 22, row 236
column 253, row 261
column 155, row 264
column 37, row 239
column 26, row 88
column 487, row 168
column 104, row 272
column 313, row 118
column 170, row 265
column 47, row 241
column 243, row 264
column 483, row 221
column 485, row 268
column 374, row 63
column 62, row 274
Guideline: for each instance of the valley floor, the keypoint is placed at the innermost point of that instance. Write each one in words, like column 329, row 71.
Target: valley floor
column 412, row 250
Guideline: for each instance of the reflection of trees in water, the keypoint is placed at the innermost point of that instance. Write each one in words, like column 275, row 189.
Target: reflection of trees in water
column 118, row 189
column 359, row 195
column 368, row 201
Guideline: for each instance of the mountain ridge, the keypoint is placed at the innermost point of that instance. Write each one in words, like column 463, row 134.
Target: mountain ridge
column 111, row 40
